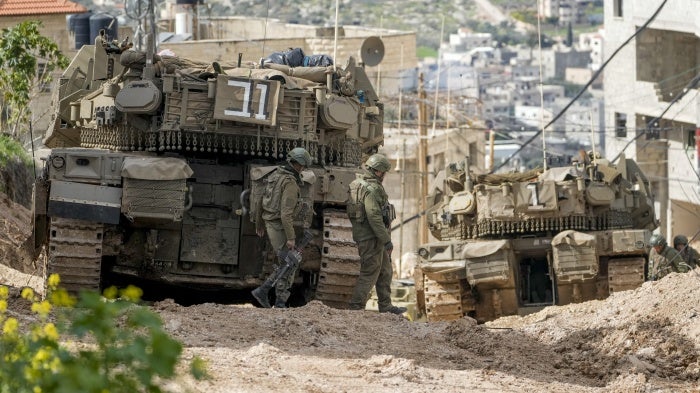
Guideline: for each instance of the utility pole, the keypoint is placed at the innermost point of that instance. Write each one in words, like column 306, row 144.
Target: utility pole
column 422, row 159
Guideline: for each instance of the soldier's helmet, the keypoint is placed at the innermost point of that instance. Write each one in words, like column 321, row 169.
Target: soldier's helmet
column 378, row 162
column 657, row 240
column 680, row 239
column 300, row 156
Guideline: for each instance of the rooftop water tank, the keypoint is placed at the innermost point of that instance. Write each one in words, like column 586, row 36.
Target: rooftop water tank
column 103, row 21
column 81, row 28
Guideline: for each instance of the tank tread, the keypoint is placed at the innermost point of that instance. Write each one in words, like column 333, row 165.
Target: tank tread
column 625, row 273
column 75, row 253
column 340, row 263
column 443, row 298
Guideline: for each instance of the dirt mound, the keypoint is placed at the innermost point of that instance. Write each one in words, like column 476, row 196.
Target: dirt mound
column 634, row 341
column 16, row 242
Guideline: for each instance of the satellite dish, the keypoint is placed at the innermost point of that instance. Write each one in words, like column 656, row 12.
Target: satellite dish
column 372, row 51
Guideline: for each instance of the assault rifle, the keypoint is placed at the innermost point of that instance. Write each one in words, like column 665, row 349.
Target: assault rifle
column 291, row 258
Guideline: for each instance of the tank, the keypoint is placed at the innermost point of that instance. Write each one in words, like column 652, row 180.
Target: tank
column 514, row 243
column 154, row 161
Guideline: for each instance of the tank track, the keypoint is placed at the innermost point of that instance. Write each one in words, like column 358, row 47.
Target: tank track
column 75, row 253
column 447, row 297
column 340, row 262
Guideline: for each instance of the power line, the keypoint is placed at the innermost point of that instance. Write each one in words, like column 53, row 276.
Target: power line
column 590, row 82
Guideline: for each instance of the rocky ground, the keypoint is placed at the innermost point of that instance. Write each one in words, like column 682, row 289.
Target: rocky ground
column 646, row 340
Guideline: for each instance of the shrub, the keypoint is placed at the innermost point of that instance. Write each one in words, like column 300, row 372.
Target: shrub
column 88, row 344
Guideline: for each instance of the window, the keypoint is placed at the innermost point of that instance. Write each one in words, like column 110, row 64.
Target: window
column 690, row 138
column 617, row 8
column 620, row 125
column 40, row 74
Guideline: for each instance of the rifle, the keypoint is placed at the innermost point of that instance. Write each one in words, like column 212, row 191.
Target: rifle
column 291, row 258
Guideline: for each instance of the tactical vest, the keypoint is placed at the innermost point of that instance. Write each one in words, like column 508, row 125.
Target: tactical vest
column 356, row 195
column 357, row 192
column 272, row 196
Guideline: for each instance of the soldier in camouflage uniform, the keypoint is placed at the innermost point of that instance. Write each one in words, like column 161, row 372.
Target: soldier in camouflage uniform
column 689, row 254
column 280, row 204
column 370, row 215
column 664, row 259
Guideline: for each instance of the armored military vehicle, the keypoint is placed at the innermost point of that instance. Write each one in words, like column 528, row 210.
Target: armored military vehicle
column 154, row 161
column 513, row 243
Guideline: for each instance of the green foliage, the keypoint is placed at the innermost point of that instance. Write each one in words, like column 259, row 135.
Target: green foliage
column 122, row 346
column 22, row 48
column 423, row 51
column 12, row 150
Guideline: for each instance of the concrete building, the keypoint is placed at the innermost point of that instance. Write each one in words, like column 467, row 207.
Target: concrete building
column 652, row 110
column 256, row 38
column 53, row 17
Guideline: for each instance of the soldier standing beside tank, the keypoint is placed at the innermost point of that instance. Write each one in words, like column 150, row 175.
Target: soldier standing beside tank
column 689, row 254
column 280, row 204
column 663, row 259
column 370, row 215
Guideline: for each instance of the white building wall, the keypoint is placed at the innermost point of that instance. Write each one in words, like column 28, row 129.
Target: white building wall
column 679, row 189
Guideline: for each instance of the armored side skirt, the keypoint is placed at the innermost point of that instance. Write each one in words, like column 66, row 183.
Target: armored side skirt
column 87, row 202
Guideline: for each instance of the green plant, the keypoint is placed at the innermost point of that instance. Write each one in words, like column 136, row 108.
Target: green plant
column 22, row 50
column 120, row 347
column 11, row 149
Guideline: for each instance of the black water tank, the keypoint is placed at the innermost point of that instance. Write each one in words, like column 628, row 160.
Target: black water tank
column 191, row 2
column 81, row 28
column 103, row 21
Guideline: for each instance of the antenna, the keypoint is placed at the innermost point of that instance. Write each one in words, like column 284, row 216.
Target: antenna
column 372, row 51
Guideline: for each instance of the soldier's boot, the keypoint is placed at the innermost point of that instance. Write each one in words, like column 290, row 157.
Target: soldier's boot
column 260, row 294
column 280, row 304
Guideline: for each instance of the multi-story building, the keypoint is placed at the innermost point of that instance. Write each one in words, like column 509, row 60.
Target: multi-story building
column 652, row 101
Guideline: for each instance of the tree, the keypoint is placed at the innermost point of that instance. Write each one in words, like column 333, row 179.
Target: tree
column 22, row 50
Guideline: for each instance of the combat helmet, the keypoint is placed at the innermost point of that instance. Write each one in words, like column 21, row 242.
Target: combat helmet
column 300, row 156
column 657, row 240
column 378, row 162
column 680, row 239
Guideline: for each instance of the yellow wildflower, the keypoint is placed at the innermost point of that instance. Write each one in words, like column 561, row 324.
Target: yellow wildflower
column 10, row 326
column 50, row 331
column 27, row 293
column 37, row 389
column 61, row 298
column 4, row 292
column 132, row 293
column 111, row 293
column 3, row 305
column 42, row 308
column 54, row 280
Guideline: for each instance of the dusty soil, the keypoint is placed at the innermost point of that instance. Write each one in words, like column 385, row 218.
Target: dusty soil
column 646, row 340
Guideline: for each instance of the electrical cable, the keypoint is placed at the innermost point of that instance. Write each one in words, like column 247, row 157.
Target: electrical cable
column 590, row 82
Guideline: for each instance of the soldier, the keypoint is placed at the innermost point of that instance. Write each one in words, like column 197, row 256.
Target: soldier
column 280, row 204
column 689, row 254
column 663, row 259
column 371, row 215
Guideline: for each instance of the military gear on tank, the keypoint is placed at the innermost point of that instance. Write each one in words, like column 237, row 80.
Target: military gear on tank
column 300, row 156
column 657, row 240
column 378, row 162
